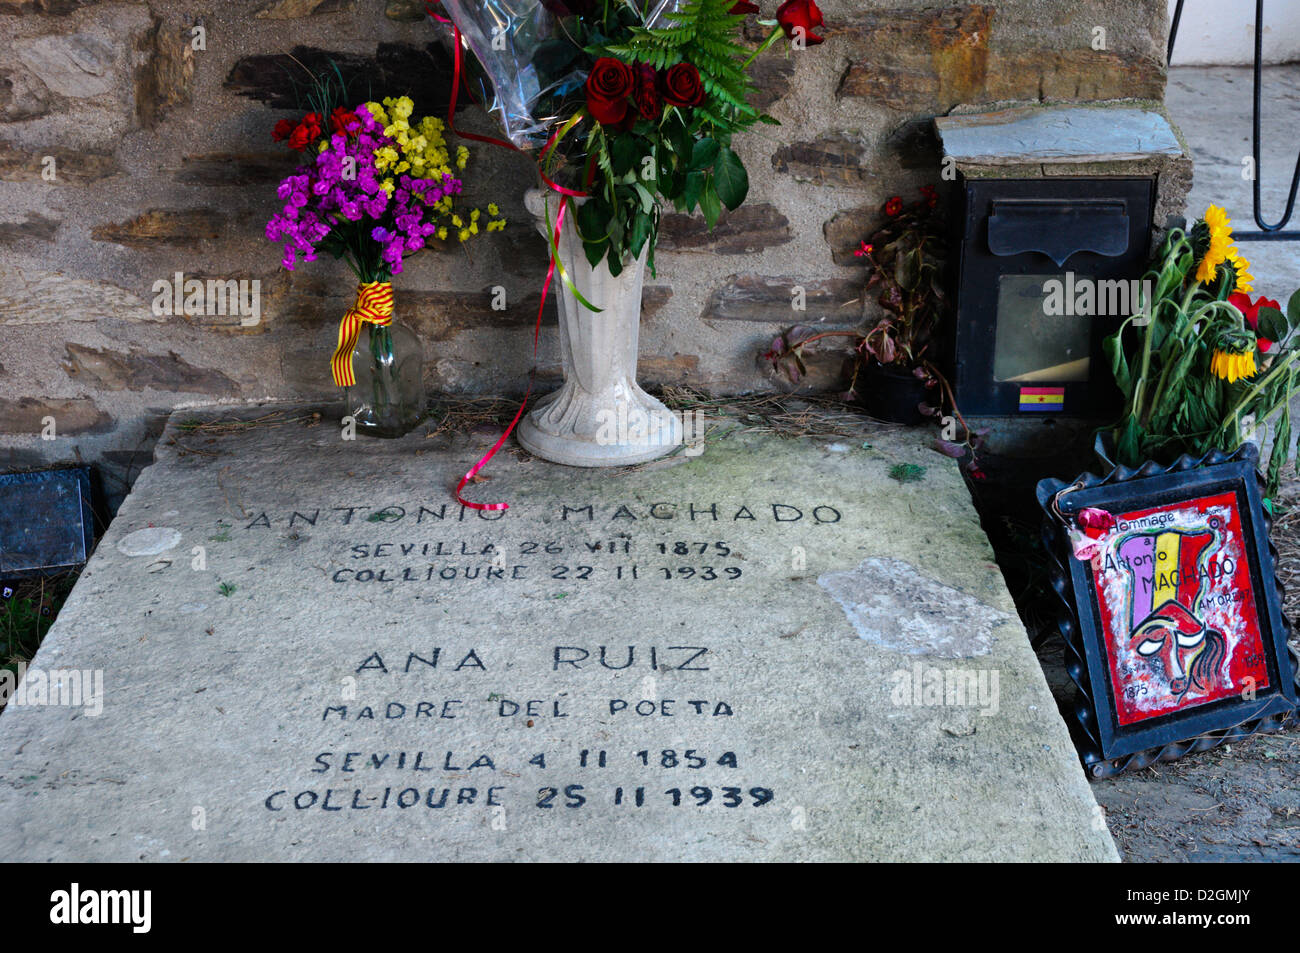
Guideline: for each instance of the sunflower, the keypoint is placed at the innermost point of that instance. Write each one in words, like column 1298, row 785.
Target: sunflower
column 1242, row 268
column 1234, row 355
column 1220, row 248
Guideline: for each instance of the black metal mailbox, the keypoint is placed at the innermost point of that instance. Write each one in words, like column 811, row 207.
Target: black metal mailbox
column 1048, row 268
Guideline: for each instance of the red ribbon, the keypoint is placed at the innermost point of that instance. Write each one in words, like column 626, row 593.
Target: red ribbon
column 550, row 272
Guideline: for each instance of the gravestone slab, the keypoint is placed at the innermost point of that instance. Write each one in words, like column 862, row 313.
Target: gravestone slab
column 689, row 662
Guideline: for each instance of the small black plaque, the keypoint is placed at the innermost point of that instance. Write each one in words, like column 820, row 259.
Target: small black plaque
column 45, row 521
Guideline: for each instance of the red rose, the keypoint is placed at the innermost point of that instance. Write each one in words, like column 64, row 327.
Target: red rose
column 681, row 85
column 894, row 206
column 800, row 17
column 1250, row 310
column 648, row 103
column 283, row 129
column 608, row 87
column 743, row 8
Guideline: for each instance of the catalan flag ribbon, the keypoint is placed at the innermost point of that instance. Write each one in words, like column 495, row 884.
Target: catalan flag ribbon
column 1042, row 398
column 375, row 305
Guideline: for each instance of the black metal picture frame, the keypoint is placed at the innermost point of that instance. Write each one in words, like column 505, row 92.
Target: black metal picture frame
column 1107, row 745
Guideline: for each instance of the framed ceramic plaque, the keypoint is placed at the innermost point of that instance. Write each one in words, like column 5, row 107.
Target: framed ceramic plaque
column 1173, row 625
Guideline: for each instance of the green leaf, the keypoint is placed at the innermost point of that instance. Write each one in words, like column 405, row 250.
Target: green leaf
column 624, row 153
column 1119, row 365
column 1293, row 310
column 595, row 250
column 704, row 154
column 1281, row 450
column 730, row 178
column 692, row 190
column 641, row 228
column 647, row 199
column 1272, row 324
column 710, row 204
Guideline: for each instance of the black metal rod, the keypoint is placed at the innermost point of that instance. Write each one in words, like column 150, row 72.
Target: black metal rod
column 1295, row 177
column 1173, row 32
column 1267, row 232
column 1265, row 236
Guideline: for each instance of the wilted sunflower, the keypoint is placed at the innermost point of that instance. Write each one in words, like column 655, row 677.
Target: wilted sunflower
column 1220, row 247
column 1234, row 356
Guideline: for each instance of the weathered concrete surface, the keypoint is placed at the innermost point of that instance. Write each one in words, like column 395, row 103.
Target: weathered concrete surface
column 215, row 702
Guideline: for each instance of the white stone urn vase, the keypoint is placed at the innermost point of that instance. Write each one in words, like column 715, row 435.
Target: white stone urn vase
column 600, row 417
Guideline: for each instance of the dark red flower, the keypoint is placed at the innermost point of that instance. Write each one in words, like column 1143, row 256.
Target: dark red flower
column 931, row 195
column 343, row 121
column 1250, row 310
column 283, row 129
column 680, row 85
column 894, row 206
column 744, row 8
column 301, row 137
column 800, row 18
column 648, row 103
column 864, row 249
column 608, row 87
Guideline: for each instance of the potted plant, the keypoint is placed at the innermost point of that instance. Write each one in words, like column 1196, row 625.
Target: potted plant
column 894, row 376
column 1201, row 365
column 634, row 105
column 893, row 373
column 374, row 187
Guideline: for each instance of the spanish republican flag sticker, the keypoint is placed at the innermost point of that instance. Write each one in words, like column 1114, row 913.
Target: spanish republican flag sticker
column 1042, row 398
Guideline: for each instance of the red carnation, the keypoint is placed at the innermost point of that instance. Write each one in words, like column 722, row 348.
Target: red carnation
column 283, row 130
column 343, row 120
column 800, row 17
column 1250, row 310
column 681, row 85
column 743, row 8
column 301, row 137
column 305, row 133
column 608, row 87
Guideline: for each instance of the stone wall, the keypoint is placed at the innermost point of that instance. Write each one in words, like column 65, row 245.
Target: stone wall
column 128, row 155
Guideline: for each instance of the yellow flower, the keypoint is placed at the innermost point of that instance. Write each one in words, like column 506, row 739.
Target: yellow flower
column 1245, row 280
column 493, row 210
column 1232, row 366
column 442, row 233
column 1220, row 249
column 464, row 234
column 402, row 107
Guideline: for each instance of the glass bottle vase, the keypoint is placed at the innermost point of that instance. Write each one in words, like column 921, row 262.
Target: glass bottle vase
column 388, row 398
